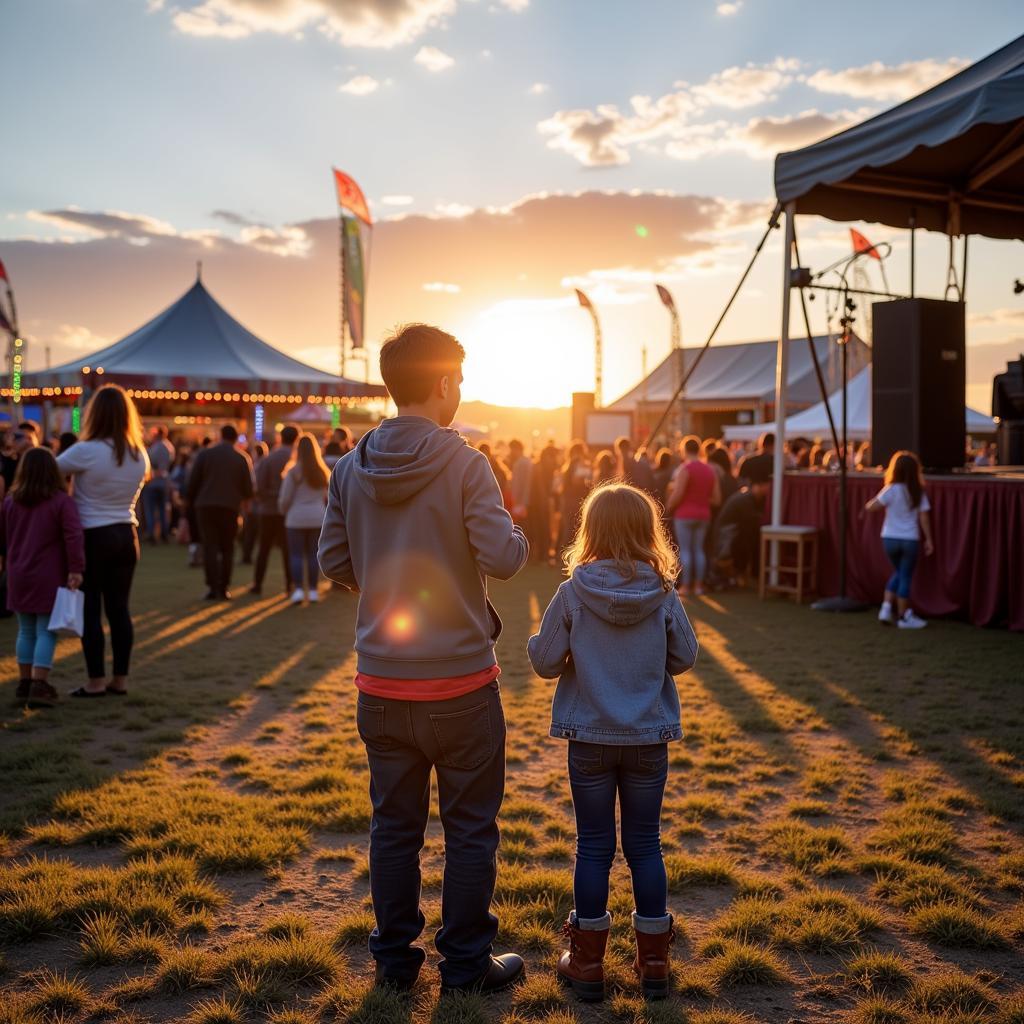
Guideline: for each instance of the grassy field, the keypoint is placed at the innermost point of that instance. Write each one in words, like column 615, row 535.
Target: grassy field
column 843, row 825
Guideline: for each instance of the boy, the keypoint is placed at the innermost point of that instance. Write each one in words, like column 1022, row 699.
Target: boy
column 415, row 523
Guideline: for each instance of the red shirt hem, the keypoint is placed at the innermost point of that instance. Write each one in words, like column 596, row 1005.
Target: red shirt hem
column 425, row 689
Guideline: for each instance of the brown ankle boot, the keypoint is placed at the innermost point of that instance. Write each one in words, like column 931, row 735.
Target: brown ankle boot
column 582, row 964
column 652, row 961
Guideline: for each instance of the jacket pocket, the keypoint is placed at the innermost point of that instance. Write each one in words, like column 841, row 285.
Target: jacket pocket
column 465, row 738
column 496, row 626
column 370, row 723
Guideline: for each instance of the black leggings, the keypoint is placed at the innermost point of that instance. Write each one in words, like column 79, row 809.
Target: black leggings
column 111, row 553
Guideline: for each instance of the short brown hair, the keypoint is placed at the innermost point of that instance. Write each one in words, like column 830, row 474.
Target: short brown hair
column 413, row 358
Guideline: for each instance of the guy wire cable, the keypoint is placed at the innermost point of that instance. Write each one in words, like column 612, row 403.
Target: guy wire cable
column 773, row 223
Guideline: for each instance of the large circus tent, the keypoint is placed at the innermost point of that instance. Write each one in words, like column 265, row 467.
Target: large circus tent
column 194, row 361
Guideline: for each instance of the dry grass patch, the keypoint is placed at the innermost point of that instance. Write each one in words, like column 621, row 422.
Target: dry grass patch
column 878, row 971
column 819, row 851
column 740, row 963
column 957, row 926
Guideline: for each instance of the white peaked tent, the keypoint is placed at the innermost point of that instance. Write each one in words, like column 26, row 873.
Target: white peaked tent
column 813, row 422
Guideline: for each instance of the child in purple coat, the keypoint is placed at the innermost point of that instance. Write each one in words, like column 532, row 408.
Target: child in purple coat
column 42, row 547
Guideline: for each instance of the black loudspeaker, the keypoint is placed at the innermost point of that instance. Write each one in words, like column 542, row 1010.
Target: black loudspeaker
column 918, row 379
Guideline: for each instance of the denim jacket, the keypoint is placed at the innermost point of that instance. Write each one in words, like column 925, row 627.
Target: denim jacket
column 614, row 644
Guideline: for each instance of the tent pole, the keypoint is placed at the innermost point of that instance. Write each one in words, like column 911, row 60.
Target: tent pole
column 782, row 371
column 913, row 248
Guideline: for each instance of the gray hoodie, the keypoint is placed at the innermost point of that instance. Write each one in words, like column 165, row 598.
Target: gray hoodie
column 614, row 644
column 415, row 523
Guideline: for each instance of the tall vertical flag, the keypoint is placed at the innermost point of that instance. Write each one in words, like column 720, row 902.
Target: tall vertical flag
column 353, row 263
column 675, row 345
column 584, row 300
column 9, row 323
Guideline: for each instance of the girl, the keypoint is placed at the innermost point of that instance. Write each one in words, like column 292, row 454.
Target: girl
column 109, row 466
column 694, row 490
column 614, row 634
column 41, row 541
column 906, row 518
column 302, row 501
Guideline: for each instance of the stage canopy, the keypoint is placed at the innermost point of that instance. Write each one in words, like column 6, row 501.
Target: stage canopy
column 746, row 371
column 195, row 346
column 813, row 423
column 952, row 157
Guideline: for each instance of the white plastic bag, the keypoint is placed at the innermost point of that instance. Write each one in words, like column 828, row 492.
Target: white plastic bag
column 68, row 615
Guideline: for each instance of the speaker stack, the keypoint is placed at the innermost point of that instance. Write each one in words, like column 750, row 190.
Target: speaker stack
column 918, row 379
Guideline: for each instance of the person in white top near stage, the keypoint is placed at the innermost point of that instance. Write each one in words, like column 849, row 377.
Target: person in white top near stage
column 906, row 518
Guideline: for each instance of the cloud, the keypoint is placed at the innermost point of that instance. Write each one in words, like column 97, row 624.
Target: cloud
column 109, row 223
column 442, row 286
column 766, row 136
column 516, row 6
column 532, row 246
column 878, row 81
column 997, row 318
column 538, row 88
column 360, row 85
column 727, row 8
column 396, row 200
column 453, row 210
column 372, row 23
column 602, row 137
column 433, row 59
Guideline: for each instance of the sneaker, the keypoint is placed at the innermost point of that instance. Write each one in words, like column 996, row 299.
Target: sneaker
column 885, row 615
column 911, row 621
column 297, row 595
column 313, row 596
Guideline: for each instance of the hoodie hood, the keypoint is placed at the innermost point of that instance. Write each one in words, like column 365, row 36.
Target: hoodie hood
column 398, row 458
column 620, row 601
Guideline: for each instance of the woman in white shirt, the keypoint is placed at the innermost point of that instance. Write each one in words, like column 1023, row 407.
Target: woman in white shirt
column 302, row 501
column 109, row 466
column 906, row 518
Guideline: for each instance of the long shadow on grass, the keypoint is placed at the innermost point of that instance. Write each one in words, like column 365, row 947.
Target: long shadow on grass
column 943, row 695
column 192, row 663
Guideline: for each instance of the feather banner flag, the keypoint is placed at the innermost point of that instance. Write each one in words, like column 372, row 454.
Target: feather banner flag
column 3, row 273
column 350, row 196
column 355, row 281
column 583, row 300
column 861, row 244
column 666, row 297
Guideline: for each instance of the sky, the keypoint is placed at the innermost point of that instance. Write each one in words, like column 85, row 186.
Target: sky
column 510, row 150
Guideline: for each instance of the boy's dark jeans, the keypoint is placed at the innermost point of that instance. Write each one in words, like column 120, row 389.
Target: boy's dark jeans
column 599, row 772
column 464, row 740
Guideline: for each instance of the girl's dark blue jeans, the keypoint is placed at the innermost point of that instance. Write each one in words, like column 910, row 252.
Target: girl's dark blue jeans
column 903, row 555
column 598, row 773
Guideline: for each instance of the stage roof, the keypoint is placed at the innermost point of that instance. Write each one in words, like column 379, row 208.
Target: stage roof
column 953, row 154
column 196, row 345
column 744, row 372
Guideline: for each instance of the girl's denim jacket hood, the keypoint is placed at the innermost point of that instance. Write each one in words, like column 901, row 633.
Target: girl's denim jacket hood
column 614, row 643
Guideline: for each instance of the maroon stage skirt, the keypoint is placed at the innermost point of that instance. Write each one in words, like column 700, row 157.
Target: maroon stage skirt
column 977, row 570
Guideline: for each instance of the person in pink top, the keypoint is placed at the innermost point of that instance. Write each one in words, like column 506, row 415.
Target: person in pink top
column 692, row 493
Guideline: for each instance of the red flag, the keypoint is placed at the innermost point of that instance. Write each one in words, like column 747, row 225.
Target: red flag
column 861, row 244
column 351, row 197
column 666, row 297
column 583, row 300
column 3, row 273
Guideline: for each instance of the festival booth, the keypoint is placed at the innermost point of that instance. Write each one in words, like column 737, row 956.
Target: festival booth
column 950, row 160
column 734, row 384
column 194, row 365
column 813, row 423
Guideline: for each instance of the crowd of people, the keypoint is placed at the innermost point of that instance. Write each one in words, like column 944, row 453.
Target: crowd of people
column 229, row 501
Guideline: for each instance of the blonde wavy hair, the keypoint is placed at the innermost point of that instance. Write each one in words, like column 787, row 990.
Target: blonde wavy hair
column 623, row 523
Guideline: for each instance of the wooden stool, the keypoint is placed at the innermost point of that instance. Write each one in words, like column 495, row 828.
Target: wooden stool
column 806, row 569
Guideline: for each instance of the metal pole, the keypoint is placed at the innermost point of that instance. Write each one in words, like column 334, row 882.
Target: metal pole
column 782, row 371
column 597, row 360
column 344, row 317
column 913, row 249
column 842, row 470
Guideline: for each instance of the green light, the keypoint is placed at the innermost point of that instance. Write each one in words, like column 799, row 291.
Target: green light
column 641, row 231
column 335, row 415
column 76, row 420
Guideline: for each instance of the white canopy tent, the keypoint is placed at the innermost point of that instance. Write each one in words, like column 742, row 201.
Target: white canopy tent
column 812, row 423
